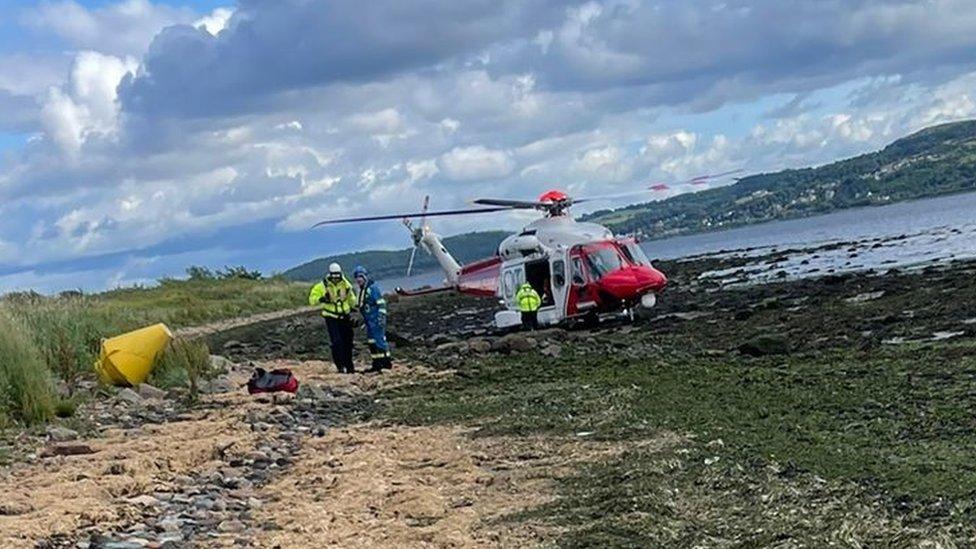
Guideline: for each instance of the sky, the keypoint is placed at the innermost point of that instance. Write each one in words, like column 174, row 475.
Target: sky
column 138, row 137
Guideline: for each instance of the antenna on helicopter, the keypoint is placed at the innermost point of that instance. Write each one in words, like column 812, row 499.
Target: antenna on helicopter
column 417, row 234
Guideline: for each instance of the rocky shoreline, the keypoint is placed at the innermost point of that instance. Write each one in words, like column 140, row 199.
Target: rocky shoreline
column 146, row 493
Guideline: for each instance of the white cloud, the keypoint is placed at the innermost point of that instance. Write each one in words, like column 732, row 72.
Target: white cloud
column 293, row 125
column 216, row 21
column 385, row 121
column 382, row 126
column 660, row 147
column 476, row 163
column 87, row 105
column 605, row 163
column 424, row 169
column 450, row 125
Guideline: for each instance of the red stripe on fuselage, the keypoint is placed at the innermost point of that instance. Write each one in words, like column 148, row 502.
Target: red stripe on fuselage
column 481, row 277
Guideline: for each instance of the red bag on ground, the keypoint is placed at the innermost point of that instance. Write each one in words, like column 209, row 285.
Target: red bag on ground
column 263, row 381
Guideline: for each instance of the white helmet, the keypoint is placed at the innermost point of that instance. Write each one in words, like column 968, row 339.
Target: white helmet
column 334, row 268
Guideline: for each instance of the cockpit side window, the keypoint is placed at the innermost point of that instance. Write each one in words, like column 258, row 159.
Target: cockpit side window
column 634, row 253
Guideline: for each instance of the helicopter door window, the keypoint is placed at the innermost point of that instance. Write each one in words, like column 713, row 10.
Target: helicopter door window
column 578, row 278
column 509, row 285
column 559, row 273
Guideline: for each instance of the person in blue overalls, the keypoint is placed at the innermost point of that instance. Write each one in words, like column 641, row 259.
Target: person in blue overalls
column 372, row 305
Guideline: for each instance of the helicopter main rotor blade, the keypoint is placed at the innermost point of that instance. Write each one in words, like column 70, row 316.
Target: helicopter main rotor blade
column 610, row 196
column 658, row 187
column 512, row 204
column 406, row 215
column 716, row 175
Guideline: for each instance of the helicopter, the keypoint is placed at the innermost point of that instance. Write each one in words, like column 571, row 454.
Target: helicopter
column 581, row 270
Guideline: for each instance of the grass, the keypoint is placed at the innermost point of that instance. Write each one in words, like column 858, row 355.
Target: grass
column 838, row 439
column 184, row 363
column 58, row 337
column 181, row 303
column 894, row 424
column 26, row 389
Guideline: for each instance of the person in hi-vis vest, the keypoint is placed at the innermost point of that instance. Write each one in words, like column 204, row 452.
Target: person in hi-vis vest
column 338, row 300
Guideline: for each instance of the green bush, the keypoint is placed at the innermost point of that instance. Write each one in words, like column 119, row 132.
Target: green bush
column 66, row 407
column 26, row 388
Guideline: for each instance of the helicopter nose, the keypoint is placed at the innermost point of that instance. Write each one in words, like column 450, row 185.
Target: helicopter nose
column 633, row 281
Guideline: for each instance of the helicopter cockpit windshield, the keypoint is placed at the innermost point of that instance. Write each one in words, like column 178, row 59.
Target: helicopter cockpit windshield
column 603, row 260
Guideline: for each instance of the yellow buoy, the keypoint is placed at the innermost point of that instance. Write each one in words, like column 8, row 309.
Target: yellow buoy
column 129, row 358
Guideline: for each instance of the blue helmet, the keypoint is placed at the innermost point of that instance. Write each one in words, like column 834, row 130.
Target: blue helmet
column 360, row 271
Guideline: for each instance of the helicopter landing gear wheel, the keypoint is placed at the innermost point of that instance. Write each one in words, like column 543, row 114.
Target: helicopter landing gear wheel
column 645, row 309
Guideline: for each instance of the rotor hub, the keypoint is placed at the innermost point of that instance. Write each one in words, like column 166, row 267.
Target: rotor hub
column 553, row 196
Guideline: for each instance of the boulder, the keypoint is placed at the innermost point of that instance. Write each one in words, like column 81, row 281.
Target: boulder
column 67, row 450
column 232, row 526
column 61, row 434
column 452, row 347
column 221, row 384
column 220, row 363
column 552, row 350
column 479, row 345
column 514, row 342
column 148, row 391
column 130, row 396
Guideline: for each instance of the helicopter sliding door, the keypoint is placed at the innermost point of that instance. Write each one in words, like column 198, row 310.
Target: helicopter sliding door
column 538, row 273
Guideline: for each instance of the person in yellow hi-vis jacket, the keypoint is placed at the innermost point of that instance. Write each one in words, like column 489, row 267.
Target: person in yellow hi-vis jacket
column 528, row 303
column 338, row 299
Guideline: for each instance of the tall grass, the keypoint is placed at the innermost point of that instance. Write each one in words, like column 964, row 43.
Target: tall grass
column 184, row 363
column 43, row 337
column 26, row 390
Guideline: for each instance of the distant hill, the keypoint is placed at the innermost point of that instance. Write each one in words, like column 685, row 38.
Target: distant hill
column 935, row 161
column 466, row 247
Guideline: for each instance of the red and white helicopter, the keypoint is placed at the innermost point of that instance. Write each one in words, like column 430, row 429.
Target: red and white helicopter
column 581, row 270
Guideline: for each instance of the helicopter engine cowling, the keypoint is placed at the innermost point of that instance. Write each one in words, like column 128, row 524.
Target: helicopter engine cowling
column 520, row 246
